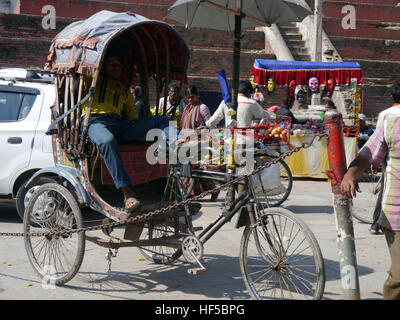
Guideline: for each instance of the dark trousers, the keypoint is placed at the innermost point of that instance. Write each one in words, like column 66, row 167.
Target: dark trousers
column 107, row 130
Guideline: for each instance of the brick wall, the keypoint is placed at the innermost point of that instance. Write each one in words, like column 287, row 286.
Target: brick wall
column 24, row 43
column 377, row 11
column 366, row 48
column 155, row 9
column 374, row 43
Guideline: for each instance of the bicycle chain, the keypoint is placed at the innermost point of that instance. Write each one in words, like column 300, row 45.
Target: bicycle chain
column 151, row 215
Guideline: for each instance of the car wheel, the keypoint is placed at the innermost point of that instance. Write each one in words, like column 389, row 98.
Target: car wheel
column 24, row 194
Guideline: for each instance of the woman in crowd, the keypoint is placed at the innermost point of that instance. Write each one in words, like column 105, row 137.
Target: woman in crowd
column 194, row 116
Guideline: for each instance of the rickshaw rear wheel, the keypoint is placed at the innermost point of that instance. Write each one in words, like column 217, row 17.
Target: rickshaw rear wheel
column 163, row 254
column 56, row 256
column 159, row 254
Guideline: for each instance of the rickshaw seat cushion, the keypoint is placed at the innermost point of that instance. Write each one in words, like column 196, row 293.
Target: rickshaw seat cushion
column 134, row 146
column 134, row 158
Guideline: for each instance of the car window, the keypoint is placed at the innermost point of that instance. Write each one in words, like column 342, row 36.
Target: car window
column 15, row 105
column 26, row 106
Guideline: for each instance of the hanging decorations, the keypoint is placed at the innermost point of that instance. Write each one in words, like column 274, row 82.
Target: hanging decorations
column 302, row 98
column 313, row 85
column 291, row 89
column 329, row 88
column 270, row 85
column 302, row 71
column 252, row 81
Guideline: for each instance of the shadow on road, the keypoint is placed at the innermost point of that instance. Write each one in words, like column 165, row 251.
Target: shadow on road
column 309, row 209
column 8, row 213
column 332, row 270
column 222, row 280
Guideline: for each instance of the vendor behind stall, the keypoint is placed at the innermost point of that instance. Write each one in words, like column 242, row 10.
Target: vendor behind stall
column 330, row 105
column 248, row 109
column 284, row 110
column 365, row 131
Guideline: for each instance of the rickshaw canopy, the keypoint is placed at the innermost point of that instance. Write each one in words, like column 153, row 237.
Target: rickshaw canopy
column 82, row 45
column 301, row 71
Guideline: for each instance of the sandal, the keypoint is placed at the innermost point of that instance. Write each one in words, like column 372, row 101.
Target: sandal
column 131, row 203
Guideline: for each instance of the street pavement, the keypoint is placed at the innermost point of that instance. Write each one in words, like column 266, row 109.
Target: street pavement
column 133, row 277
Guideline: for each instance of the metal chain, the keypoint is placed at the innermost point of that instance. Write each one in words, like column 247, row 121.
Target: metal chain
column 154, row 214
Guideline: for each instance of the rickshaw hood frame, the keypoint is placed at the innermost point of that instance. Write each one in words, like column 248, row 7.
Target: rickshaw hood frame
column 80, row 46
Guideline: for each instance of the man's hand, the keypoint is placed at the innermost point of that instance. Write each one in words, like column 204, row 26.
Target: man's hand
column 349, row 186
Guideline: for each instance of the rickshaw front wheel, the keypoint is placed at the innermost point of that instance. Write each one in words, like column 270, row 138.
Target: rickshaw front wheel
column 54, row 250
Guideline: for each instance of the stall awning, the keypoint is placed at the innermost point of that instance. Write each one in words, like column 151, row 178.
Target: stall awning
column 300, row 71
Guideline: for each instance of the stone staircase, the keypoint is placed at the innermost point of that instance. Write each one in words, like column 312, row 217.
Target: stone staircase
column 294, row 41
column 297, row 45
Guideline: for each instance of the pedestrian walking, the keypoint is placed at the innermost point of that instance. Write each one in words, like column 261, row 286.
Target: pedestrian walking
column 384, row 144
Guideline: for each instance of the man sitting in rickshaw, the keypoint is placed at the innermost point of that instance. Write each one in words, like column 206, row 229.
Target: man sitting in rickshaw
column 113, row 119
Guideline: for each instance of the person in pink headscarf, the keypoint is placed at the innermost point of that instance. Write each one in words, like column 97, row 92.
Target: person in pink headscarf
column 273, row 109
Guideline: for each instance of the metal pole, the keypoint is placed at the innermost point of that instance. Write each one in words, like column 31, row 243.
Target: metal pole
column 236, row 57
column 317, row 47
column 236, row 61
column 341, row 204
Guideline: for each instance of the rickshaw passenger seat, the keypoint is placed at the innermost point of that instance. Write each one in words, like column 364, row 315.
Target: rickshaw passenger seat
column 134, row 146
column 133, row 155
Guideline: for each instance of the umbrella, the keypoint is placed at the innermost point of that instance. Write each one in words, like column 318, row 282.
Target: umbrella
column 233, row 15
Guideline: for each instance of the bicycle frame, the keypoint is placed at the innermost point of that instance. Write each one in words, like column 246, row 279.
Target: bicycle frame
column 247, row 198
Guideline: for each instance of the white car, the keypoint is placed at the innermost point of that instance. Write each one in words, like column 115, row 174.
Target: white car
column 25, row 100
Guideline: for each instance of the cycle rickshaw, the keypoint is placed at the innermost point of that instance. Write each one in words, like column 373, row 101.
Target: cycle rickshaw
column 280, row 257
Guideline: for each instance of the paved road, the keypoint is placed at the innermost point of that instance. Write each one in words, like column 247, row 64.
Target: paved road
column 135, row 278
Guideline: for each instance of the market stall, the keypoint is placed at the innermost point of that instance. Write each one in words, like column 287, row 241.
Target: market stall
column 313, row 161
column 309, row 86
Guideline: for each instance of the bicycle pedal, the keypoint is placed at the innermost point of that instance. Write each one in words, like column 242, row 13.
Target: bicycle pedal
column 196, row 271
column 157, row 259
column 107, row 231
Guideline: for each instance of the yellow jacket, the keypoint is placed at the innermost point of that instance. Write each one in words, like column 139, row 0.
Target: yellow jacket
column 177, row 117
column 110, row 96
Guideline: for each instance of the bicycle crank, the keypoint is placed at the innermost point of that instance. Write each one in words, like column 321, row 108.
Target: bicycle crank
column 192, row 250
